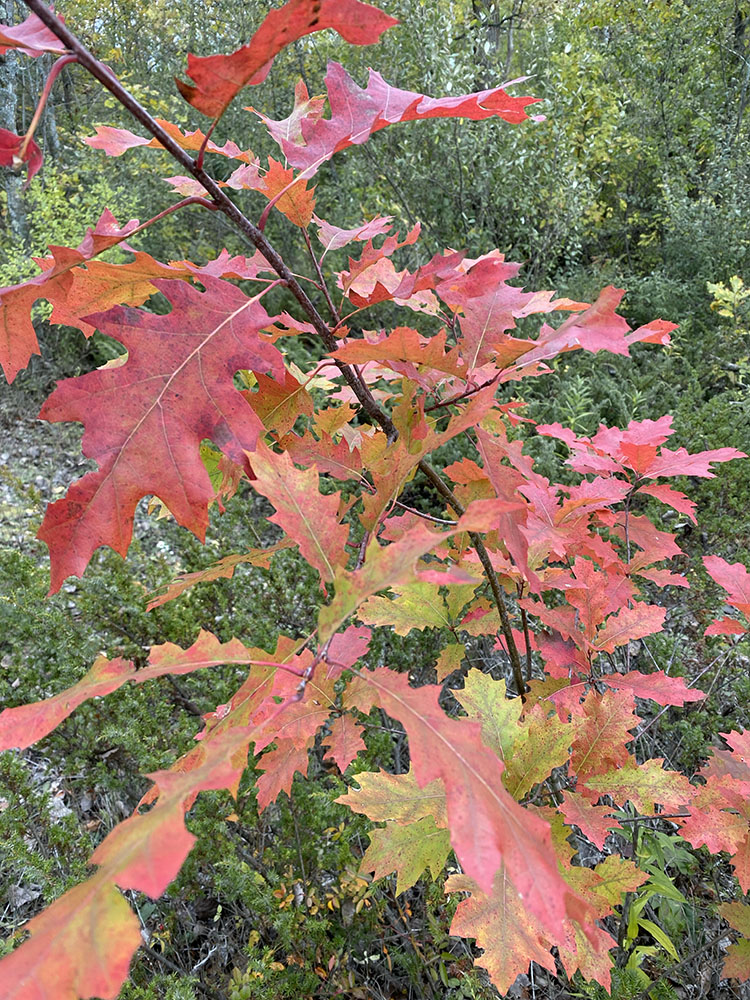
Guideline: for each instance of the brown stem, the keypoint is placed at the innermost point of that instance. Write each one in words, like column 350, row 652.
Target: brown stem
column 61, row 63
column 321, row 278
column 527, row 638
column 489, row 570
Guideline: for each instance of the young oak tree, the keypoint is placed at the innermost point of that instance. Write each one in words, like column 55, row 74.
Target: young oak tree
column 553, row 573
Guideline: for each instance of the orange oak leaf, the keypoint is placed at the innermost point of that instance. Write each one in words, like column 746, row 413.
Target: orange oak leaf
column 144, row 427
column 295, row 200
column 217, row 79
column 344, row 741
column 306, row 515
column 221, row 570
column 17, row 337
column 500, row 924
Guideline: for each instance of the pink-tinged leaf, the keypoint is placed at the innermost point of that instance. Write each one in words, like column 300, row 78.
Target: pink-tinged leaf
column 502, row 927
column 334, row 238
column 217, row 79
column 305, row 108
column 344, row 741
column 630, row 623
column 347, row 648
column 116, row 141
column 655, row 332
column 657, row 687
column 22, row 726
column 32, row 37
column 356, row 114
column 663, row 577
column 408, row 851
column 93, row 916
column 594, row 822
column 144, row 853
column 726, row 626
column 488, row 828
column 308, row 517
column 145, row 428
column 732, row 577
column 681, row 463
column 11, row 155
column 598, row 328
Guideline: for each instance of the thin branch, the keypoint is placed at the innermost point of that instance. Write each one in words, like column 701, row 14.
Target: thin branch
column 484, row 557
column 59, row 64
column 669, row 973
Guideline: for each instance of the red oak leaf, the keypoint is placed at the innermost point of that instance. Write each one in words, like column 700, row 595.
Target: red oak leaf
column 725, row 626
column 216, row 79
column 734, row 578
column 629, row 623
column 602, row 733
column 308, row 517
column 279, row 766
column 356, row 114
column 657, row 686
column 144, row 427
column 32, row 37
column 500, row 924
column 11, row 155
column 593, row 821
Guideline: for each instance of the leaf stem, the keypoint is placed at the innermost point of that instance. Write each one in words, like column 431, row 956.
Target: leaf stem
column 59, row 64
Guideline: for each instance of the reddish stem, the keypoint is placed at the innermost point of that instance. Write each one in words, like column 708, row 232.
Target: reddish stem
column 59, row 64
